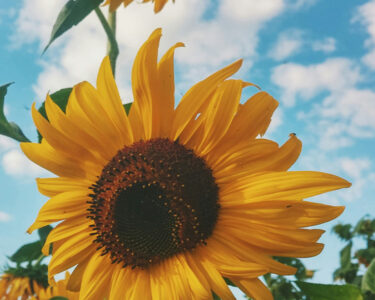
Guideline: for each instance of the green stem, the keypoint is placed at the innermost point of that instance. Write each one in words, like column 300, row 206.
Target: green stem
column 39, row 260
column 109, row 27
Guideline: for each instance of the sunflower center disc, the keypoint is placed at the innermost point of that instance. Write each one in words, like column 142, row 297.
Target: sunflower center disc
column 154, row 199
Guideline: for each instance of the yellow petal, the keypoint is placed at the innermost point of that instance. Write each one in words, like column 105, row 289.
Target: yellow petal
column 111, row 101
column 220, row 113
column 75, row 280
column 192, row 101
column 165, row 103
column 60, row 207
column 254, row 288
column 52, row 186
column 282, row 186
column 96, row 278
column 145, row 88
column 65, row 230
column 73, row 130
column 70, row 252
column 285, row 213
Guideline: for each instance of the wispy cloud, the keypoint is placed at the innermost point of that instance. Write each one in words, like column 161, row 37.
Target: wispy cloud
column 4, row 217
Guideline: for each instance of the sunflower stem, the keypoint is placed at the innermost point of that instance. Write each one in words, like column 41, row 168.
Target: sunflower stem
column 40, row 258
column 109, row 26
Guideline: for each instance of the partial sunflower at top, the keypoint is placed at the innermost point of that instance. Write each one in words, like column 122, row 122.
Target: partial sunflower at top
column 114, row 4
column 164, row 203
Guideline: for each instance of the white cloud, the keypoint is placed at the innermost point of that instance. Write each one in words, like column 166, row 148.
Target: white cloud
column 15, row 163
column 288, row 43
column 326, row 45
column 305, row 82
column 210, row 43
column 4, row 217
column 365, row 14
column 6, row 143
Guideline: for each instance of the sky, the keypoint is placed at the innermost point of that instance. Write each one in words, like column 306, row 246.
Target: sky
column 317, row 58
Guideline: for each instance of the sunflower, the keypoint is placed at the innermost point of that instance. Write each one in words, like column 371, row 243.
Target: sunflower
column 167, row 203
column 114, row 4
column 17, row 287
column 57, row 290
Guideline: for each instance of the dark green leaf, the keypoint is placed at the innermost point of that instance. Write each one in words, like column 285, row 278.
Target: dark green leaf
column 43, row 233
column 61, row 98
column 215, row 297
column 345, row 256
column 344, row 231
column 73, row 12
column 27, row 252
column 127, row 107
column 3, row 92
column 368, row 280
column 329, row 291
column 9, row 129
column 58, row 298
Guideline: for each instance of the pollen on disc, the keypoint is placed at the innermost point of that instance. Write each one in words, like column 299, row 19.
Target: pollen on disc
column 153, row 200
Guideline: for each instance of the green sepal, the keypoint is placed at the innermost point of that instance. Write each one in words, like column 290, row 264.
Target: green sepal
column 73, row 12
column 9, row 129
column 368, row 280
column 317, row 291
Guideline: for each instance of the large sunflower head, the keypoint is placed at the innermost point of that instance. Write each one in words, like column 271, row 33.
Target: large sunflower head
column 165, row 202
column 114, row 4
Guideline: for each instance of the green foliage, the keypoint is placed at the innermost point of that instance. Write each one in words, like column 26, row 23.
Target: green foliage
column 329, row 291
column 368, row 281
column 350, row 264
column 73, row 12
column 58, row 298
column 28, row 252
column 32, row 251
column 9, row 129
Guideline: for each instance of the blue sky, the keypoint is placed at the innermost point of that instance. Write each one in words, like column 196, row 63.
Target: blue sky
column 316, row 57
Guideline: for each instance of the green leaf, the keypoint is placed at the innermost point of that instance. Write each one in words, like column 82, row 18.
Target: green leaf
column 58, row 298
column 9, row 129
column 127, row 107
column 368, row 280
column 345, row 256
column 27, row 252
column 73, row 12
column 43, row 233
column 61, row 98
column 3, row 92
column 317, row 291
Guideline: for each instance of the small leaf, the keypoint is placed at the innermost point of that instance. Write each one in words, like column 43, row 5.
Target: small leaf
column 27, row 252
column 368, row 280
column 127, row 107
column 43, row 233
column 3, row 92
column 317, row 291
column 73, row 12
column 9, row 129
